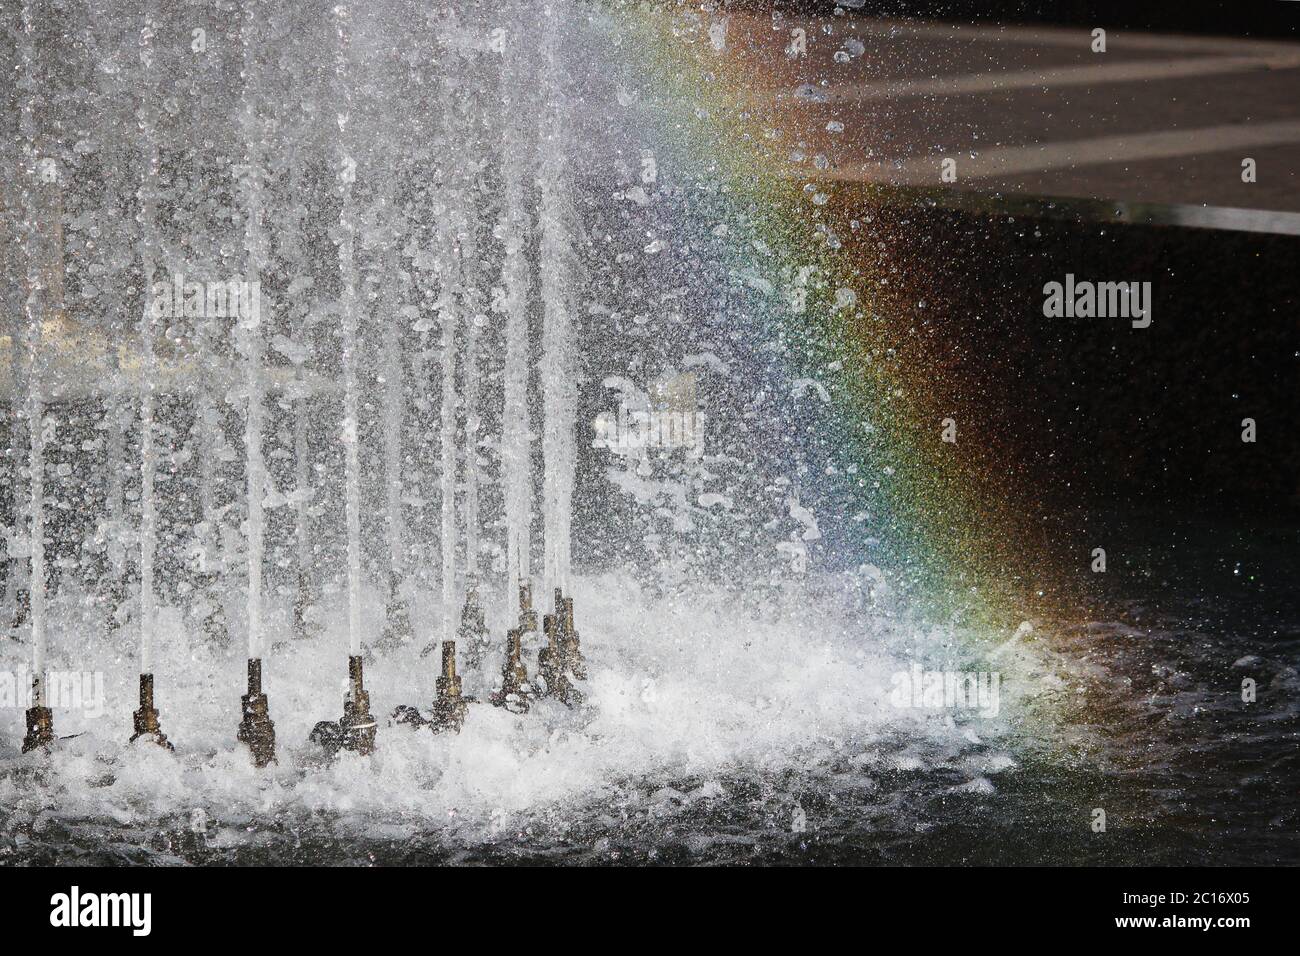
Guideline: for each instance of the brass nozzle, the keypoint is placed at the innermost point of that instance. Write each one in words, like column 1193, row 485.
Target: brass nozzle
column 572, row 646
column 357, row 727
column 560, row 661
column 515, row 689
column 256, row 729
column 450, row 705
column 146, row 718
column 40, row 721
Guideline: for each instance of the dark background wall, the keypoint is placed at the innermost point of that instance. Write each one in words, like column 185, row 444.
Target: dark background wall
column 1102, row 414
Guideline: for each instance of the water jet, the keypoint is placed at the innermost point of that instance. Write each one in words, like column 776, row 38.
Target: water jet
column 397, row 616
column 473, row 633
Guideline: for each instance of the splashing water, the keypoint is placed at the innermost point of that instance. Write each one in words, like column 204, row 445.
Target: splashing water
column 485, row 191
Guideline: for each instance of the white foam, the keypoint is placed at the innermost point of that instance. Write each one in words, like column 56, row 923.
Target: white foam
column 679, row 690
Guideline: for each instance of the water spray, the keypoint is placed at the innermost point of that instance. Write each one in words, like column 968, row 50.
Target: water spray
column 397, row 615
column 527, row 615
column 356, row 729
column 473, row 632
column 302, row 602
column 304, row 595
column 22, row 609
column 212, row 572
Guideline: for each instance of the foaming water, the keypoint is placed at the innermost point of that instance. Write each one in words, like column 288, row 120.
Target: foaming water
column 717, row 728
column 690, row 703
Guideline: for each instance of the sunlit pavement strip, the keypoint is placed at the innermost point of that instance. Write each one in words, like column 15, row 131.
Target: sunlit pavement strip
column 1066, row 37
column 998, row 106
column 922, row 170
column 1123, row 72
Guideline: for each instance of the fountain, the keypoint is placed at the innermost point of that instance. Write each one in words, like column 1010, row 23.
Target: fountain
column 467, row 231
column 505, row 334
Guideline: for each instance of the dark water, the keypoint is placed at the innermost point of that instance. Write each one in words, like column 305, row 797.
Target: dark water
column 1160, row 739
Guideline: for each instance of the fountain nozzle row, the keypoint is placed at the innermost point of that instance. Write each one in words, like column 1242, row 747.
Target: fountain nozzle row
column 560, row 664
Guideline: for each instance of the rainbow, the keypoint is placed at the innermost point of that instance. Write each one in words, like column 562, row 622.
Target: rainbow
column 852, row 311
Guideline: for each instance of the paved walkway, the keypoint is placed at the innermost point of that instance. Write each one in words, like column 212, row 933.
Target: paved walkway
column 1030, row 111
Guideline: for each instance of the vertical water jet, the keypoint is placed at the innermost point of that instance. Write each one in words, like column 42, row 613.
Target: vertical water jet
column 249, row 342
column 513, row 227
column 355, row 700
column 40, row 720
column 150, row 248
column 447, row 313
column 304, row 593
column 212, row 571
column 397, row 616
column 558, row 278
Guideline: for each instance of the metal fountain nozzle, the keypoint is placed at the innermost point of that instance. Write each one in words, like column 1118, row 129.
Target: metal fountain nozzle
column 40, row 720
column 357, row 727
column 572, row 645
column 560, row 661
column 450, row 705
column 550, row 661
column 515, row 690
column 256, row 729
column 146, row 718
